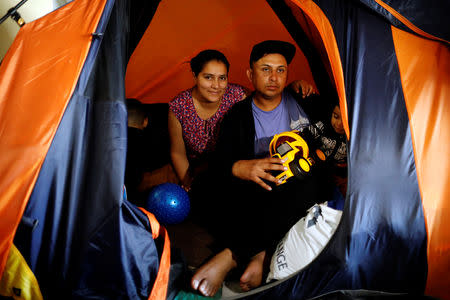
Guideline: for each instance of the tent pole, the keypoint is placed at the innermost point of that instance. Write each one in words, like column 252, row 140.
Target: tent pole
column 14, row 14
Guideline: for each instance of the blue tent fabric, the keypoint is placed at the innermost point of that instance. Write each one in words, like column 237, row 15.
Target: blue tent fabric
column 386, row 252
column 89, row 243
column 380, row 142
column 420, row 13
column 116, row 265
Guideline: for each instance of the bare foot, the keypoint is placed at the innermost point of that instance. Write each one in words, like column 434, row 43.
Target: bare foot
column 209, row 278
column 252, row 276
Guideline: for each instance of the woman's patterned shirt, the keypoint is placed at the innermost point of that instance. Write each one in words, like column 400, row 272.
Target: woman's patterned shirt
column 200, row 136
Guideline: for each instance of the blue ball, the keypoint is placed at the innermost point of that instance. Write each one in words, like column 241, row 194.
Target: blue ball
column 169, row 203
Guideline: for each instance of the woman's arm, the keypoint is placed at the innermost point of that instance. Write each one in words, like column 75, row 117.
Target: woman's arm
column 302, row 86
column 178, row 151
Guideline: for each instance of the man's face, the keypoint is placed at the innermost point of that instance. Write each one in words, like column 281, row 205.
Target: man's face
column 269, row 75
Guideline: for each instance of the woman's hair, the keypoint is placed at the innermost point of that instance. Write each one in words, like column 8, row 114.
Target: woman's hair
column 204, row 57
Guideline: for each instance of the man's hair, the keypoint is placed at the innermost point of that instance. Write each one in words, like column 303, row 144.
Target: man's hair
column 136, row 113
column 200, row 60
column 270, row 47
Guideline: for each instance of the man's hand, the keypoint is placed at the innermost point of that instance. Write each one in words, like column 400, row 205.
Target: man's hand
column 302, row 86
column 258, row 169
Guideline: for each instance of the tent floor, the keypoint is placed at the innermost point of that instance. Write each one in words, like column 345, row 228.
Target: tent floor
column 194, row 243
column 192, row 240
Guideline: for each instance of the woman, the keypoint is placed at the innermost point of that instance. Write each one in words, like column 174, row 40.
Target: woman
column 195, row 114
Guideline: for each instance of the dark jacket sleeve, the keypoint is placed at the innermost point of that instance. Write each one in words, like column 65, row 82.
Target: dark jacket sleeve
column 236, row 139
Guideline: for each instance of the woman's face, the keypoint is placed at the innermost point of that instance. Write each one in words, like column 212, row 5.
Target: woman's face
column 212, row 81
column 336, row 120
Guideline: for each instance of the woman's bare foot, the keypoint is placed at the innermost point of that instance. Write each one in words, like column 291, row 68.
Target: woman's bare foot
column 209, row 278
column 252, row 276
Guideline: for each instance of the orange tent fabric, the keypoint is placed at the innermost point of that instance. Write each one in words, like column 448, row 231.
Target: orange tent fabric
column 231, row 26
column 424, row 68
column 39, row 103
column 319, row 30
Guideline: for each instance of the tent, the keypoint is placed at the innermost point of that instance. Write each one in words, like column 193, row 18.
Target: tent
column 63, row 138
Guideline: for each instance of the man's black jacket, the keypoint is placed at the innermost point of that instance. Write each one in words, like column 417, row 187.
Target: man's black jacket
column 237, row 132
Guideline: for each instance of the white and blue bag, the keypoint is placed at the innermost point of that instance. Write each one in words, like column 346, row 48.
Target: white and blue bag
column 304, row 241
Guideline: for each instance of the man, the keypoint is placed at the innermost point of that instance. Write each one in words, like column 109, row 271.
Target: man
column 253, row 212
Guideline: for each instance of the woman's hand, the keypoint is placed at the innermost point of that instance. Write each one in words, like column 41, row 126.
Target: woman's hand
column 258, row 169
column 187, row 182
column 305, row 87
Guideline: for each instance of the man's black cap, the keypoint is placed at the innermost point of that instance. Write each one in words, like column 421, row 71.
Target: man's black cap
column 272, row 46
